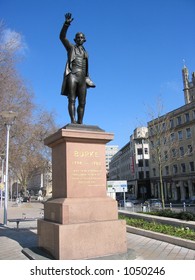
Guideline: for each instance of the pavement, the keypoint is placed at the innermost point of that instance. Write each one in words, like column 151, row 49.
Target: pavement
column 22, row 243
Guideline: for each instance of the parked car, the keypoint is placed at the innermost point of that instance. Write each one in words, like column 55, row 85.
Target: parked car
column 153, row 202
column 129, row 202
column 189, row 202
column 135, row 201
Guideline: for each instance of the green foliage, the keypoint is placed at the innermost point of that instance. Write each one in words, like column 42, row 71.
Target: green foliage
column 188, row 216
column 181, row 232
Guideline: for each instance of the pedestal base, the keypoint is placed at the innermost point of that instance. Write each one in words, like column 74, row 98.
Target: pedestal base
column 80, row 210
column 80, row 222
column 84, row 240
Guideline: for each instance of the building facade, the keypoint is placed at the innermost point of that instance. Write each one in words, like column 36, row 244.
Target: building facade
column 161, row 157
column 139, row 163
column 131, row 163
column 111, row 150
column 41, row 180
column 172, row 142
column 120, row 164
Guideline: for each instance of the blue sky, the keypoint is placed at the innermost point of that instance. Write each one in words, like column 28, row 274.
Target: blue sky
column 136, row 51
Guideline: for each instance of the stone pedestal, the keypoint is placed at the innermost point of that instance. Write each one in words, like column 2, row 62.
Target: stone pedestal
column 80, row 221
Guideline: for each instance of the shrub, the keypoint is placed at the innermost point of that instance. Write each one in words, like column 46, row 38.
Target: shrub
column 164, row 213
column 181, row 232
column 188, row 216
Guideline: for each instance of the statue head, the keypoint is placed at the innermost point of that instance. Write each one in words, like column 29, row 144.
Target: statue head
column 79, row 38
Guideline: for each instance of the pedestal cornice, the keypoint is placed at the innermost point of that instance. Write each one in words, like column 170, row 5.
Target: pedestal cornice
column 78, row 133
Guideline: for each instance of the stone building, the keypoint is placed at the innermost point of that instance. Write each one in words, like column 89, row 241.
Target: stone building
column 173, row 136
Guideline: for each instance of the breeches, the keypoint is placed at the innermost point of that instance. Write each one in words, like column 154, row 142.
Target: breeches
column 77, row 88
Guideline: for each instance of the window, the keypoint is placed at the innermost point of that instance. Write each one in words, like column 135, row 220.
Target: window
column 166, row 155
column 139, row 151
column 189, row 149
column 188, row 133
column 181, row 151
column 151, row 131
column 141, row 175
column 192, row 166
column 174, row 152
column 183, row 167
column 146, row 162
column 154, row 171
column 153, row 158
column 187, row 115
column 171, row 123
column 139, row 141
column 172, row 136
column 179, row 120
column 180, row 135
column 164, row 140
column 175, row 169
column 166, row 170
column 140, row 162
column 164, row 126
column 147, row 174
column 193, row 188
column 157, row 142
column 146, row 151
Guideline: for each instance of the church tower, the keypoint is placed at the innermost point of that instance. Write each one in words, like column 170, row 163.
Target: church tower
column 189, row 86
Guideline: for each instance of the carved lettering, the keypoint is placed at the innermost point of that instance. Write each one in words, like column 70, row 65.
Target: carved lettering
column 86, row 154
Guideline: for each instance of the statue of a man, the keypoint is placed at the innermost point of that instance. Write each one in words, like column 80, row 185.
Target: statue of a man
column 76, row 78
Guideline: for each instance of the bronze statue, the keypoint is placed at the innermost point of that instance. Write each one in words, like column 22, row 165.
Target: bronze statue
column 76, row 78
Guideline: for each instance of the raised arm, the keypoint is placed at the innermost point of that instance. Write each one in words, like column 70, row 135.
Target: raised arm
column 64, row 40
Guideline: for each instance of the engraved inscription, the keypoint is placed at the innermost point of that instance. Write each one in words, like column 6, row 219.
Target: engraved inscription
column 87, row 168
column 86, row 154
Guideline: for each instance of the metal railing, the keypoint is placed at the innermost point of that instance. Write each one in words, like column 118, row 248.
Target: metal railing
column 175, row 207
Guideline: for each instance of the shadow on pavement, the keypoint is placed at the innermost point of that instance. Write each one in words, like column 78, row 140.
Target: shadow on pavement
column 27, row 239
column 24, row 236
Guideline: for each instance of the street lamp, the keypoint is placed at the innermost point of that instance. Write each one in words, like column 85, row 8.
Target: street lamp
column 9, row 118
column 124, row 197
column 2, row 176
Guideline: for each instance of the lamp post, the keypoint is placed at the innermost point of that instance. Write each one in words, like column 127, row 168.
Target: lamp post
column 124, row 198
column 9, row 118
column 2, row 176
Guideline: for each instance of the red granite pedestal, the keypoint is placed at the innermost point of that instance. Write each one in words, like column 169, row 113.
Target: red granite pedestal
column 80, row 221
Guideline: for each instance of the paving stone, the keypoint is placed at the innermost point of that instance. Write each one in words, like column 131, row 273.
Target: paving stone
column 22, row 244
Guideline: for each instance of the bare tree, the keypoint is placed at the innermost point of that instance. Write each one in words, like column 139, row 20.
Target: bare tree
column 32, row 125
column 163, row 145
